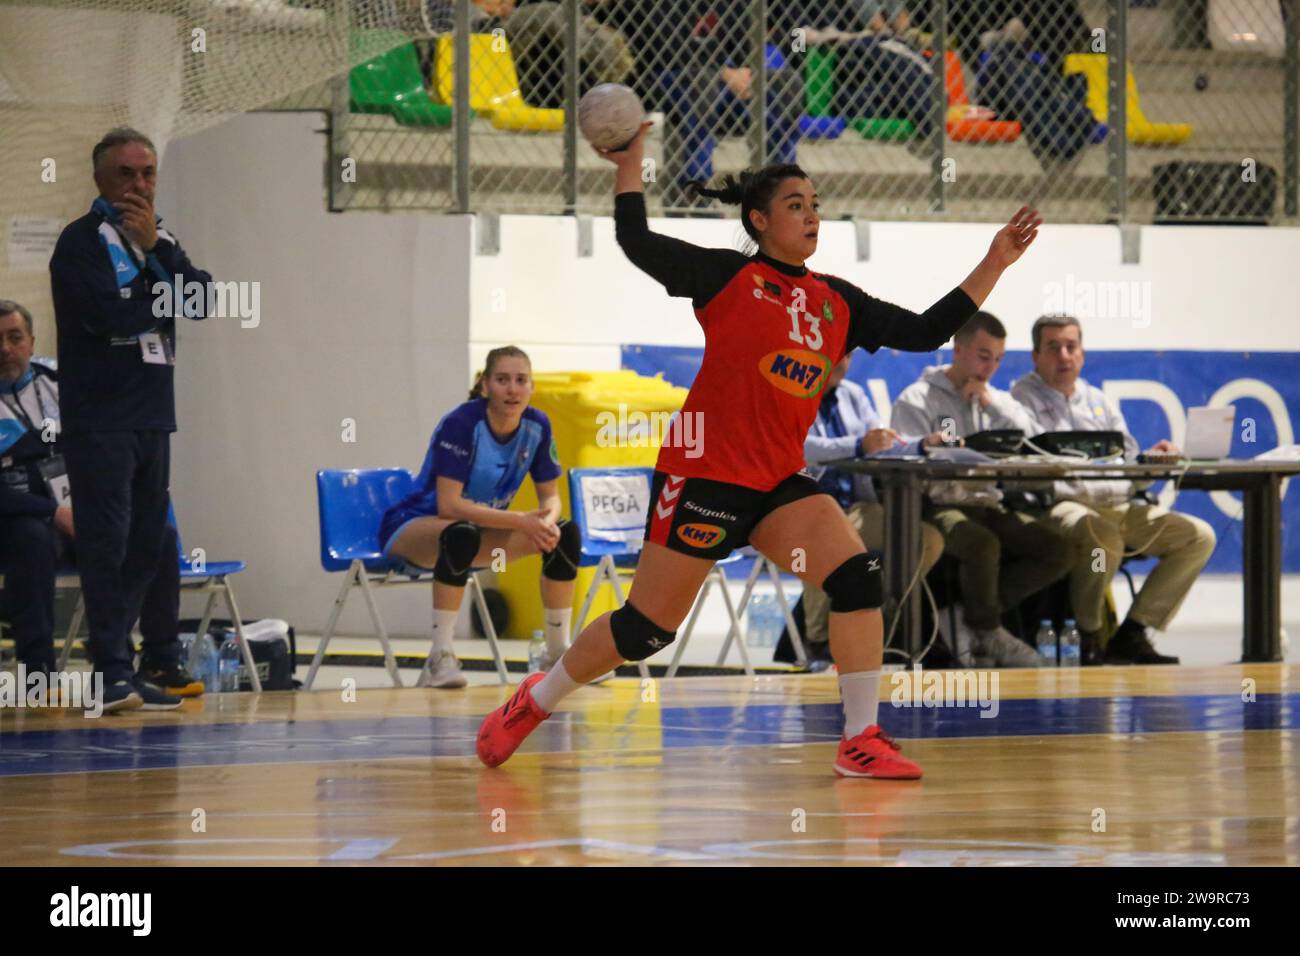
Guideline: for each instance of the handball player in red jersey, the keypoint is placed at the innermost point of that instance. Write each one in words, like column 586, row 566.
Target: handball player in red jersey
column 772, row 331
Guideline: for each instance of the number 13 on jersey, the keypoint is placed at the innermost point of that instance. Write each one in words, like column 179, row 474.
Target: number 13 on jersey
column 797, row 308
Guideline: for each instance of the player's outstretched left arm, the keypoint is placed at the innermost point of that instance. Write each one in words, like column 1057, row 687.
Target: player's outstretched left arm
column 1006, row 248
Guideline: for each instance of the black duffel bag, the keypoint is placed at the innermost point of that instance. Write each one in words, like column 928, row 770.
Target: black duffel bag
column 1213, row 194
column 275, row 660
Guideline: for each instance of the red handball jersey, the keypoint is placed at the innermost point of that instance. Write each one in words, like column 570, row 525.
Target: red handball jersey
column 772, row 332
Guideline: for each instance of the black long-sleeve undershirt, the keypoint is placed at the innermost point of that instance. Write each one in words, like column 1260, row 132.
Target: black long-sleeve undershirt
column 700, row 273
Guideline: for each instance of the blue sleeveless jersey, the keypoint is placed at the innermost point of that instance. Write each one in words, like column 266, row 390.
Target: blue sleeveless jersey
column 464, row 448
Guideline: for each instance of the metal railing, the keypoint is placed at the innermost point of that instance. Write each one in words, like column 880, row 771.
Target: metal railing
column 935, row 109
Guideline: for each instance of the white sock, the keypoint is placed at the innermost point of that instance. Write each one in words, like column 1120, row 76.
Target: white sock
column 554, row 687
column 557, row 629
column 861, row 695
column 444, row 628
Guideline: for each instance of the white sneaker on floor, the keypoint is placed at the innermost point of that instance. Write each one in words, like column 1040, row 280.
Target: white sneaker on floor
column 548, row 662
column 441, row 670
column 1005, row 648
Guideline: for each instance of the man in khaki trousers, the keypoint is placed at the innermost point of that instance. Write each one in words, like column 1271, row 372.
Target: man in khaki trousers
column 1101, row 521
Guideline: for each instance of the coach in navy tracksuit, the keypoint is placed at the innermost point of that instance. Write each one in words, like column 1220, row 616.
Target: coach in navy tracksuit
column 116, row 398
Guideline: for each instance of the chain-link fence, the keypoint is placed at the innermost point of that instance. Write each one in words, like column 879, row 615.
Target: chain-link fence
column 927, row 109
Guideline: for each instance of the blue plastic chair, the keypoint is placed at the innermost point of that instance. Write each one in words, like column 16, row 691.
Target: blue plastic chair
column 212, row 578
column 614, row 548
column 197, row 574
column 610, row 555
column 350, row 505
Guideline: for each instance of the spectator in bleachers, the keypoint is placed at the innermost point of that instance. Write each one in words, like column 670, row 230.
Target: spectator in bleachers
column 847, row 426
column 1054, row 28
column 537, row 33
column 456, row 519
column 880, row 71
column 1003, row 556
column 111, row 275
column 1101, row 519
column 692, row 63
column 36, row 517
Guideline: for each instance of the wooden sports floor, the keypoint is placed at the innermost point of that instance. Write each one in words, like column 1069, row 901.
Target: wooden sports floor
column 1106, row 766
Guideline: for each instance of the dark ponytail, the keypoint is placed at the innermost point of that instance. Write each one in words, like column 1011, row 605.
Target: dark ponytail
column 750, row 190
column 505, row 351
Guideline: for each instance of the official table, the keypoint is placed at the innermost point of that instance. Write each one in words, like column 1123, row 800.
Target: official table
column 903, row 481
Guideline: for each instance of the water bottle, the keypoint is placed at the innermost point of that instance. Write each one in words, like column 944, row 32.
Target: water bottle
column 758, row 623
column 186, row 642
column 1070, row 640
column 205, row 656
column 1045, row 641
column 536, row 652
column 766, row 622
column 228, row 664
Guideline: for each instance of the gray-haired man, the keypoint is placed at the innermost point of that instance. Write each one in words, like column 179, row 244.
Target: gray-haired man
column 1100, row 518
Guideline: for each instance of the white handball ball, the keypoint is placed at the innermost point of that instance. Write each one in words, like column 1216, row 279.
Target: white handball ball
column 609, row 116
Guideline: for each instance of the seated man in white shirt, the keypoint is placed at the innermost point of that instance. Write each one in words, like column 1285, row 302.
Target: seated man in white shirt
column 1099, row 517
column 847, row 426
column 1003, row 556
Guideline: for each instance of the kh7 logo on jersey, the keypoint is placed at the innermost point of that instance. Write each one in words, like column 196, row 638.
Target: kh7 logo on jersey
column 701, row 535
column 796, row 372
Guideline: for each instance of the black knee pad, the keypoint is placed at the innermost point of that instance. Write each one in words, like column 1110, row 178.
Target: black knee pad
column 457, row 545
column 856, row 585
column 561, row 563
column 636, row 636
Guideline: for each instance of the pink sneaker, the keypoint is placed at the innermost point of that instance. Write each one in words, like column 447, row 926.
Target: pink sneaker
column 503, row 730
column 873, row 753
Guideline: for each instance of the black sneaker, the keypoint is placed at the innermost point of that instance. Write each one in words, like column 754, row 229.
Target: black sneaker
column 153, row 698
column 121, row 695
column 1132, row 646
column 172, row 679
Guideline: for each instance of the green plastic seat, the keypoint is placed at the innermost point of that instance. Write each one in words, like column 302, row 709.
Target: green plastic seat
column 391, row 83
column 884, row 128
column 819, row 92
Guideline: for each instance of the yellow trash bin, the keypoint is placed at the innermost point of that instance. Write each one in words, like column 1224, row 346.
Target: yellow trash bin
column 599, row 419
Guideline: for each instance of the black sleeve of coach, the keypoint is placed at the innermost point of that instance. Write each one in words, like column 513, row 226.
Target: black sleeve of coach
column 84, row 286
column 682, row 268
column 176, row 262
column 875, row 324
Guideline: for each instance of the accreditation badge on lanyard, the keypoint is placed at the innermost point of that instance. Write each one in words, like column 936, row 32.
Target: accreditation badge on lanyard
column 55, row 474
column 156, row 349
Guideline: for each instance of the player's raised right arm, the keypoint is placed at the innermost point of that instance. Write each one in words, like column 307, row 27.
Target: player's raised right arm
column 682, row 268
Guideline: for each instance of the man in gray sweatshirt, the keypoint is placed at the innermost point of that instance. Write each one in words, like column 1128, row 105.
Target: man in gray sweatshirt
column 1003, row 556
column 1101, row 519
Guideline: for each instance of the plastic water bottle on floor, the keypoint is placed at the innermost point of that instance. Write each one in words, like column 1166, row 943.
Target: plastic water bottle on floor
column 536, row 652
column 1070, row 641
column 765, row 621
column 1045, row 641
column 205, row 662
column 230, row 659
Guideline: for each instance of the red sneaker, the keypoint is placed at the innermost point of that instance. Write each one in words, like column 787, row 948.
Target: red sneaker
column 503, row 730
column 873, row 753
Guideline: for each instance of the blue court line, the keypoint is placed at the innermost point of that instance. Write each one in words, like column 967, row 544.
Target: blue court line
column 104, row 747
